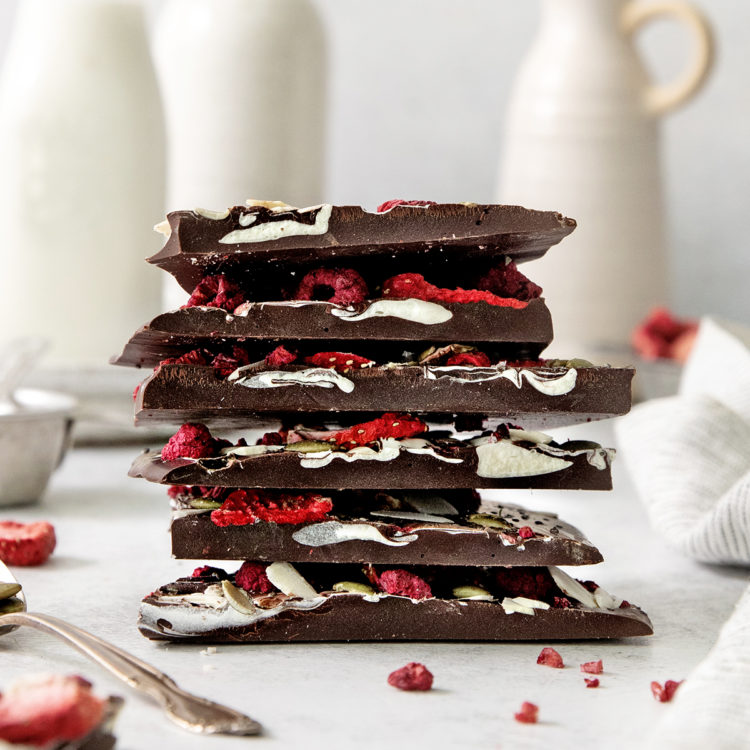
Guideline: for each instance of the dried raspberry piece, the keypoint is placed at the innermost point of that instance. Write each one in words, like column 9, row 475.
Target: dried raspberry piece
column 526, row 532
column 470, row 359
column 279, row 357
column 390, row 425
column 532, row 583
column 528, row 714
column 271, row 438
column 591, row 586
column 26, row 543
column 47, row 710
column 216, row 291
column 226, row 364
column 414, row 286
column 592, row 667
column 562, row 602
column 252, row 577
column 207, row 570
column 666, row 693
column 190, row 441
column 340, row 286
column 245, row 507
column 193, row 357
column 505, row 280
column 413, row 676
column 403, row 583
column 624, row 604
column 591, row 683
column 177, row 490
column 661, row 335
column 339, row 361
column 388, row 205
column 548, row 657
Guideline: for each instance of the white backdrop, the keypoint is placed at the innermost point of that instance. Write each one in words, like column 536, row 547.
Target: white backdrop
column 417, row 94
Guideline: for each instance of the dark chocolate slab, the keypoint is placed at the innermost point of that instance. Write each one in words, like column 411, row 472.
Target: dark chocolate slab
column 179, row 393
column 407, row 470
column 194, row 246
column 523, row 332
column 351, row 617
column 458, row 540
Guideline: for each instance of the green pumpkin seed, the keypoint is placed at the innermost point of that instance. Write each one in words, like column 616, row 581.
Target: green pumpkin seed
column 200, row 503
column 351, row 587
column 9, row 589
column 309, row 446
column 8, row 606
column 490, row 522
column 238, row 599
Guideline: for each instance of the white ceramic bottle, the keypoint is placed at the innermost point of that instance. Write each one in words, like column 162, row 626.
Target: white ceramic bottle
column 582, row 138
column 243, row 83
column 81, row 177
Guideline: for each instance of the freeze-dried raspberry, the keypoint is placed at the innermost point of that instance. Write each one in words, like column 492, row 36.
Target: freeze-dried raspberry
column 226, row 364
column 245, row 507
column 190, row 441
column 252, row 577
column 591, row 682
column 624, row 604
column 592, row 667
column 505, row 280
column 414, row 286
column 207, row 570
column 591, row 586
column 280, row 356
column 528, row 714
column 666, row 693
column 562, row 602
column 413, row 676
column 526, row 532
column 403, row 583
column 216, row 291
column 532, row 583
column 470, row 359
column 177, row 490
column 271, row 438
column 661, row 335
column 388, row 205
column 548, row 657
column 390, row 425
column 26, row 543
column 341, row 286
column 49, row 710
column 193, row 357
column 339, row 361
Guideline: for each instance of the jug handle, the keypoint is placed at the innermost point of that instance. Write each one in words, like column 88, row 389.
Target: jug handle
column 664, row 98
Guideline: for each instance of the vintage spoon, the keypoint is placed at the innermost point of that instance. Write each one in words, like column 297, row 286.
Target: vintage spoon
column 188, row 711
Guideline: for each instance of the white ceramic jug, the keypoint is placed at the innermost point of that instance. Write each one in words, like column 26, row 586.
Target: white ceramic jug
column 243, row 83
column 81, row 177
column 582, row 138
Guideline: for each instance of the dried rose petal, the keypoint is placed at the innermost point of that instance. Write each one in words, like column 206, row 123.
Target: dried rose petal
column 548, row 657
column 592, row 667
column 528, row 714
column 413, row 676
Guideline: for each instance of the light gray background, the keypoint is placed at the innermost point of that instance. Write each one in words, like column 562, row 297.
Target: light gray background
column 417, row 94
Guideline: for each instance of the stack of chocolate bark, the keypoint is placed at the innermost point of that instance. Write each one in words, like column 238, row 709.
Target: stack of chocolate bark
column 378, row 366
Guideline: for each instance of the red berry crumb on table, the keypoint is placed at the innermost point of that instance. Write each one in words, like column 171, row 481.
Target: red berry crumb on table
column 26, row 543
column 591, row 682
column 592, row 667
column 550, row 658
column 529, row 713
column 666, row 693
column 413, row 676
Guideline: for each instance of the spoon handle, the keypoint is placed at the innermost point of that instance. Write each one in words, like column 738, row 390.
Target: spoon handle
column 184, row 709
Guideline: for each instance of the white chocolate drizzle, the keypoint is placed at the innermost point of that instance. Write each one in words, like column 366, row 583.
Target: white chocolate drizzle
column 334, row 532
column 413, row 310
column 388, row 450
column 547, row 383
column 274, row 230
column 319, row 377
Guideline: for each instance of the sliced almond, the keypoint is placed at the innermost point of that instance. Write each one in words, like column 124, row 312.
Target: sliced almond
column 286, row 578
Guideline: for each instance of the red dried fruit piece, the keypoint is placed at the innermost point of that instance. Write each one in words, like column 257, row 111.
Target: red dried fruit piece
column 591, row 683
column 339, row 361
column 390, row 425
column 592, row 667
column 190, row 441
column 177, row 490
column 666, row 693
column 528, row 714
column 340, row 286
column 661, row 335
column 193, row 357
column 548, row 657
column 216, row 291
column 226, row 364
column 245, row 507
column 388, row 205
column 47, row 710
column 591, row 586
column 280, row 356
column 532, row 583
column 562, row 602
column 271, row 438
column 624, row 604
column 252, row 577
column 505, row 280
column 470, row 359
column 526, row 532
column 135, row 391
column 26, row 543
column 414, row 286
column 403, row 583
column 413, row 676
column 207, row 570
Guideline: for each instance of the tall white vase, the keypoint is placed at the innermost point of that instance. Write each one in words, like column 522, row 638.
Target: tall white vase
column 81, row 177
column 243, row 83
column 582, row 137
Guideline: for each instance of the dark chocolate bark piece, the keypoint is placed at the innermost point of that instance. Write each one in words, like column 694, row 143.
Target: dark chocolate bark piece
column 199, row 611
column 416, row 463
column 543, row 396
column 436, row 534
column 523, row 332
column 254, row 236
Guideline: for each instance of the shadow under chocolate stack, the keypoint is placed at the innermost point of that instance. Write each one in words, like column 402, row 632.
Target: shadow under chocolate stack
column 397, row 356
